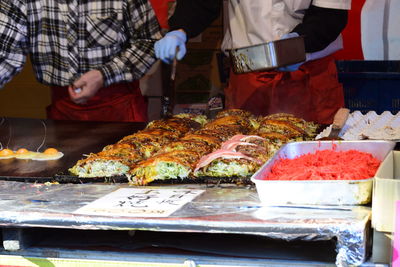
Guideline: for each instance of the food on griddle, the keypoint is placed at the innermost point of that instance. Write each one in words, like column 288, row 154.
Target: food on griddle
column 202, row 119
column 149, row 141
column 234, row 112
column 309, row 127
column 242, row 124
column 102, row 166
column 6, row 153
column 49, row 154
column 326, row 165
column 23, row 153
column 180, row 125
column 240, row 156
column 117, row 159
column 210, row 139
column 177, row 164
column 194, row 145
column 241, row 113
column 186, row 146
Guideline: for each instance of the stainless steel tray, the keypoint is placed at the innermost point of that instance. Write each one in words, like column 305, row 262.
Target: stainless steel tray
column 318, row 192
column 268, row 56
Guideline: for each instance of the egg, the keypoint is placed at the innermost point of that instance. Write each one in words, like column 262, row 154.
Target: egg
column 23, row 153
column 49, row 154
column 6, row 153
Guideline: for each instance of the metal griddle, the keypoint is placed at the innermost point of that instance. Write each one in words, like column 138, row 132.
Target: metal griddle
column 73, row 138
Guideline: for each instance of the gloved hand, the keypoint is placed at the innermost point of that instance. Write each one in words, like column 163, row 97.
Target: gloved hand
column 166, row 47
column 293, row 67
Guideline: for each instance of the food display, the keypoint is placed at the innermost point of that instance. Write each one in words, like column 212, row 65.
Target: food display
column 187, row 147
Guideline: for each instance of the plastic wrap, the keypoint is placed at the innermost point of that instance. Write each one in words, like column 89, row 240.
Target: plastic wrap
column 223, row 209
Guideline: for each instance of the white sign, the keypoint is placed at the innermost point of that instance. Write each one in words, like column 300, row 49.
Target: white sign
column 137, row 202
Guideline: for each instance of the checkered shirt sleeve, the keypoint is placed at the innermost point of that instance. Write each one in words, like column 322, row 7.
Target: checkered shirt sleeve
column 68, row 38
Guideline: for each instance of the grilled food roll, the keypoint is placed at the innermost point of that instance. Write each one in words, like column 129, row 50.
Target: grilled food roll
column 237, row 121
column 127, row 151
column 223, row 132
column 240, row 156
column 149, row 141
column 290, row 130
column 210, row 140
column 202, row 119
column 254, row 124
column 181, row 125
column 200, row 147
column 102, row 166
column 177, row 164
column 226, row 163
column 309, row 127
column 234, row 112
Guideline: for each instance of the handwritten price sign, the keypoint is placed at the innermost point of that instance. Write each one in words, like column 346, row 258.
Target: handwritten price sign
column 139, row 202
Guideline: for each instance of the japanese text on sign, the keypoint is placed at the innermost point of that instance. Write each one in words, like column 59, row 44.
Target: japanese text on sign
column 139, row 202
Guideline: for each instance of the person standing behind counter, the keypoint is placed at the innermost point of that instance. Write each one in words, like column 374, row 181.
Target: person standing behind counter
column 310, row 89
column 91, row 53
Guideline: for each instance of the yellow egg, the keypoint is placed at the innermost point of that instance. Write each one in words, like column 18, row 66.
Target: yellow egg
column 49, row 154
column 23, row 153
column 6, row 153
column 51, row 151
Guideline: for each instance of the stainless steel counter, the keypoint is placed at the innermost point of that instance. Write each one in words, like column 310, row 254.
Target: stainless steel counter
column 220, row 209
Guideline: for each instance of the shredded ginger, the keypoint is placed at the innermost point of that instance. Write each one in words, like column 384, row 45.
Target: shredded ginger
column 326, row 165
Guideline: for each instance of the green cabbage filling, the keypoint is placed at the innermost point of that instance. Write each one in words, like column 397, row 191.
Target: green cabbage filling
column 100, row 169
column 223, row 169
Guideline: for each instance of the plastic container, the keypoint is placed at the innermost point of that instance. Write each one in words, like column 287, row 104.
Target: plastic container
column 370, row 85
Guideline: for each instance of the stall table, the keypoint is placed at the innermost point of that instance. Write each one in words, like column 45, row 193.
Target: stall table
column 30, row 200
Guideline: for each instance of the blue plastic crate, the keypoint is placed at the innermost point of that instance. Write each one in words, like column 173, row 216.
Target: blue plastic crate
column 370, row 85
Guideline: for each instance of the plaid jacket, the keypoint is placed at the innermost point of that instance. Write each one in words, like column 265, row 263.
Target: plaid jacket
column 66, row 39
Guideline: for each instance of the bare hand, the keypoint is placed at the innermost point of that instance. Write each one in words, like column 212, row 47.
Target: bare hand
column 86, row 86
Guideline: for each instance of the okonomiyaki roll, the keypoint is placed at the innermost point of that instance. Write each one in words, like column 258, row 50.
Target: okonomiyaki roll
column 235, row 121
column 128, row 151
column 309, row 127
column 178, row 164
column 149, row 141
column 223, row 132
column 287, row 128
column 211, row 140
column 247, row 115
column 194, row 145
column 240, row 156
column 96, row 165
column 180, row 125
column 234, row 112
column 202, row 119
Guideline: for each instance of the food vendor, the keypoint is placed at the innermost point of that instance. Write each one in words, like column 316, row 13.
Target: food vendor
column 309, row 89
column 91, row 54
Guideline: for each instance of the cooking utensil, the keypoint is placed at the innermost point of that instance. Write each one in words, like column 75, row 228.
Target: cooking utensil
column 338, row 122
column 268, row 56
column 168, row 97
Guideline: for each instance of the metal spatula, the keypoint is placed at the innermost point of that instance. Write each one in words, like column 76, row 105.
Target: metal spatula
column 338, row 122
column 168, row 97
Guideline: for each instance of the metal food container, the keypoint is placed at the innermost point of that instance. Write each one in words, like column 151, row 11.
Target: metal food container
column 268, row 56
column 318, row 192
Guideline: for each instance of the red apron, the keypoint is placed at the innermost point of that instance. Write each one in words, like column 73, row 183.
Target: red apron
column 117, row 102
column 312, row 93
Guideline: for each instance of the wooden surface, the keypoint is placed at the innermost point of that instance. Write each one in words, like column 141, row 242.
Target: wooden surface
column 73, row 138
